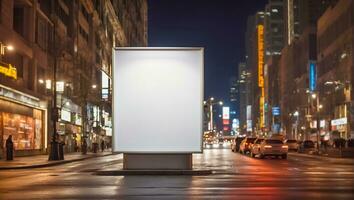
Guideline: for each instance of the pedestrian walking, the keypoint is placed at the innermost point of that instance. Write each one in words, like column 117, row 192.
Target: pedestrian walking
column 102, row 145
column 76, row 147
column 9, row 148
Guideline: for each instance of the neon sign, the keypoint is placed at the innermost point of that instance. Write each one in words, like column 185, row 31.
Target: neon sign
column 313, row 77
column 8, row 70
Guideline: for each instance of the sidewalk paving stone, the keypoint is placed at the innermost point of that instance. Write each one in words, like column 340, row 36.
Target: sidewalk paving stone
column 42, row 160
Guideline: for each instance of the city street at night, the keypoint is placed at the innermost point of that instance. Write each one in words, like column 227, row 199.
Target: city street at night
column 177, row 99
column 235, row 176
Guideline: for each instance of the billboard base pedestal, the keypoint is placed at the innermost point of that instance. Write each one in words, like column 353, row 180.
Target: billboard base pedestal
column 145, row 161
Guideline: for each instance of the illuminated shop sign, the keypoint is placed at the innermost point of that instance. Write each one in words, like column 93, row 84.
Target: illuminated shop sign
column 65, row 115
column 312, row 75
column 60, row 86
column 8, row 70
column 18, row 96
column 78, row 119
column 340, row 121
column 276, row 111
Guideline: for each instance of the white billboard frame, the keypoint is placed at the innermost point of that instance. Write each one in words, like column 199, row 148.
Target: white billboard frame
column 200, row 150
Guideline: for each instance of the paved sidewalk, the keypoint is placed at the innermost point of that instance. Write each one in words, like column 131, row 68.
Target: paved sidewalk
column 349, row 161
column 42, row 160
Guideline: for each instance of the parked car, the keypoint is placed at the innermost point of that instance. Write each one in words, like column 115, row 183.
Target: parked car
column 256, row 145
column 235, row 146
column 272, row 147
column 306, row 146
column 246, row 145
column 292, row 144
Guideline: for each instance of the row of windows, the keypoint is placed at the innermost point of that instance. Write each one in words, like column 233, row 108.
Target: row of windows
column 85, row 13
column 83, row 33
column 333, row 31
column 63, row 16
column 334, row 59
column 43, row 34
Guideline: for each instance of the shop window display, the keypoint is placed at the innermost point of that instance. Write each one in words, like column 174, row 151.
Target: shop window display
column 26, row 131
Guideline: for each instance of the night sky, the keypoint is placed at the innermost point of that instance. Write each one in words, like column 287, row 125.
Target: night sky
column 216, row 25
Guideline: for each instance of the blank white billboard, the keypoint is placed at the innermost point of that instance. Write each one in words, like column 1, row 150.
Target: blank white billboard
column 158, row 100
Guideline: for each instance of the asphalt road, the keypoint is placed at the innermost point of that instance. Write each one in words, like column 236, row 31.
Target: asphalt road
column 235, row 177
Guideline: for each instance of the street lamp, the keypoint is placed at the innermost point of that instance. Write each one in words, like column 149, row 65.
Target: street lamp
column 3, row 47
column 210, row 102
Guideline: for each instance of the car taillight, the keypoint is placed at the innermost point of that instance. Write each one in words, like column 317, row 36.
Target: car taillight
column 284, row 146
column 267, row 146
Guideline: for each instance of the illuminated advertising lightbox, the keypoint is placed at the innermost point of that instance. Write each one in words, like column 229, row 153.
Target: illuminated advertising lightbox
column 312, row 76
column 226, row 112
column 105, row 85
column 147, row 84
column 248, row 112
column 276, row 111
column 225, row 121
column 249, row 125
column 235, row 124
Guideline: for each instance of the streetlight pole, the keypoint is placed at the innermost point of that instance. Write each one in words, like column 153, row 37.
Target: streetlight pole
column 316, row 97
column 54, row 150
column 210, row 102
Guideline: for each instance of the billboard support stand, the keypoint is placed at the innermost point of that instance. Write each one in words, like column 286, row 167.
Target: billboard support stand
column 157, row 161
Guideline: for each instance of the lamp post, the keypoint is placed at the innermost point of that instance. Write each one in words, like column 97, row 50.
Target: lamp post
column 296, row 114
column 210, row 102
column 315, row 96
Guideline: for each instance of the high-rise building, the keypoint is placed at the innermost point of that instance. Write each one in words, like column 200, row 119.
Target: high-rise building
column 244, row 95
column 65, row 45
column 254, row 64
column 234, row 92
column 300, row 14
column 335, row 58
column 297, row 57
column 274, row 28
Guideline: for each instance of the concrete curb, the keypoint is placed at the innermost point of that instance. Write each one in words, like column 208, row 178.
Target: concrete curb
column 52, row 163
column 318, row 157
column 154, row 172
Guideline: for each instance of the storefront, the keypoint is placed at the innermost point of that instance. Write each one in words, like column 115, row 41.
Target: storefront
column 24, row 117
column 339, row 128
column 70, row 124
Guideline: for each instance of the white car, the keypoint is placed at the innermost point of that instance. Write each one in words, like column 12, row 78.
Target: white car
column 272, row 147
column 256, row 146
column 292, row 144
